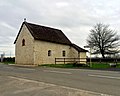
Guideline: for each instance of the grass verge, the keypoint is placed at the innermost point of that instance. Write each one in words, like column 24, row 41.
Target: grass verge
column 7, row 62
column 93, row 66
column 65, row 65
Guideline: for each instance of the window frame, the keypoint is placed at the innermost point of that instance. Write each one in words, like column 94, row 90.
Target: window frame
column 63, row 53
column 49, row 53
column 23, row 42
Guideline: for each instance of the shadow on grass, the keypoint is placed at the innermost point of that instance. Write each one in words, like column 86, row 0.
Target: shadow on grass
column 66, row 65
column 83, row 66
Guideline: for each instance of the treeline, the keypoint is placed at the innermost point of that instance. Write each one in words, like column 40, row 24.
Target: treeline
column 104, row 60
column 8, row 59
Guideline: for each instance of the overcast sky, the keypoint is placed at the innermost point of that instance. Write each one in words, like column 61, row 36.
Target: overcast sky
column 74, row 17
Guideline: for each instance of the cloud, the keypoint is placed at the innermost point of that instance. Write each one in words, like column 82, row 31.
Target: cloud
column 8, row 26
column 62, row 4
column 74, row 17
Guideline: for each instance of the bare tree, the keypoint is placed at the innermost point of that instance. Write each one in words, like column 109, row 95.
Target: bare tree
column 103, row 40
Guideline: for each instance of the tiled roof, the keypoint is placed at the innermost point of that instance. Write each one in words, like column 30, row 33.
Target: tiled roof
column 79, row 49
column 46, row 34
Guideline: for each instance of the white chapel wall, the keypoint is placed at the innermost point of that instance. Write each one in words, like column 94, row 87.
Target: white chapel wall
column 24, row 54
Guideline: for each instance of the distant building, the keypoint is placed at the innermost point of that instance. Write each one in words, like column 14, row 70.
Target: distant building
column 36, row 44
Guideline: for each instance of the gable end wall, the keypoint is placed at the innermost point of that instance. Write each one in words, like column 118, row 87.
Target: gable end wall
column 24, row 54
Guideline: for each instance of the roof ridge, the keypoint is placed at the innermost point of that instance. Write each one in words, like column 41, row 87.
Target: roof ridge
column 46, row 26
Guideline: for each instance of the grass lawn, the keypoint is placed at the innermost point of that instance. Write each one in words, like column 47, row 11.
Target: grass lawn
column 99, row 66
column 59, row 65
column 7, row 62
column 102, row 65
column 93, row 65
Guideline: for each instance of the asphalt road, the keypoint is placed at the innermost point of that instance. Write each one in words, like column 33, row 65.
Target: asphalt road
column 103, row 82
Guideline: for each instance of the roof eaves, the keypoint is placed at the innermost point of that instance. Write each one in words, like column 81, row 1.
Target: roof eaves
column 79, row 49
column 19, row 32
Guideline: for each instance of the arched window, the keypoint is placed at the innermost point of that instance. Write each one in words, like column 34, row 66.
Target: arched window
column 49, row 52
column 63, row 53
column 23, row 42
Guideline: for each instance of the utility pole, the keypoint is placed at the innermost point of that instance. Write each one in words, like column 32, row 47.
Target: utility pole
column 90, row 54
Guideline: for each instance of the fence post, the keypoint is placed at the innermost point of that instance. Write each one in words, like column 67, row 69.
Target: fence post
column 64, row 60
column 116, row 61
column 55, row 61
column 79, row 60
column 74, row 60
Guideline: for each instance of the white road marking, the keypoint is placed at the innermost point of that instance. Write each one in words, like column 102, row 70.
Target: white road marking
column 57, row 72
column 103, row 76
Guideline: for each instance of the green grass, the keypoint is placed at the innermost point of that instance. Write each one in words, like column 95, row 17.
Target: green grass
column 8, row 62
column 93, row 66
column 102, row 65
column 58, row 65
column 62, row 66
column 99, row 66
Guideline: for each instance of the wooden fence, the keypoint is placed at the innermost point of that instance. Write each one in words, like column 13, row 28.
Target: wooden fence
column 70, row 60
column 86, row 60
